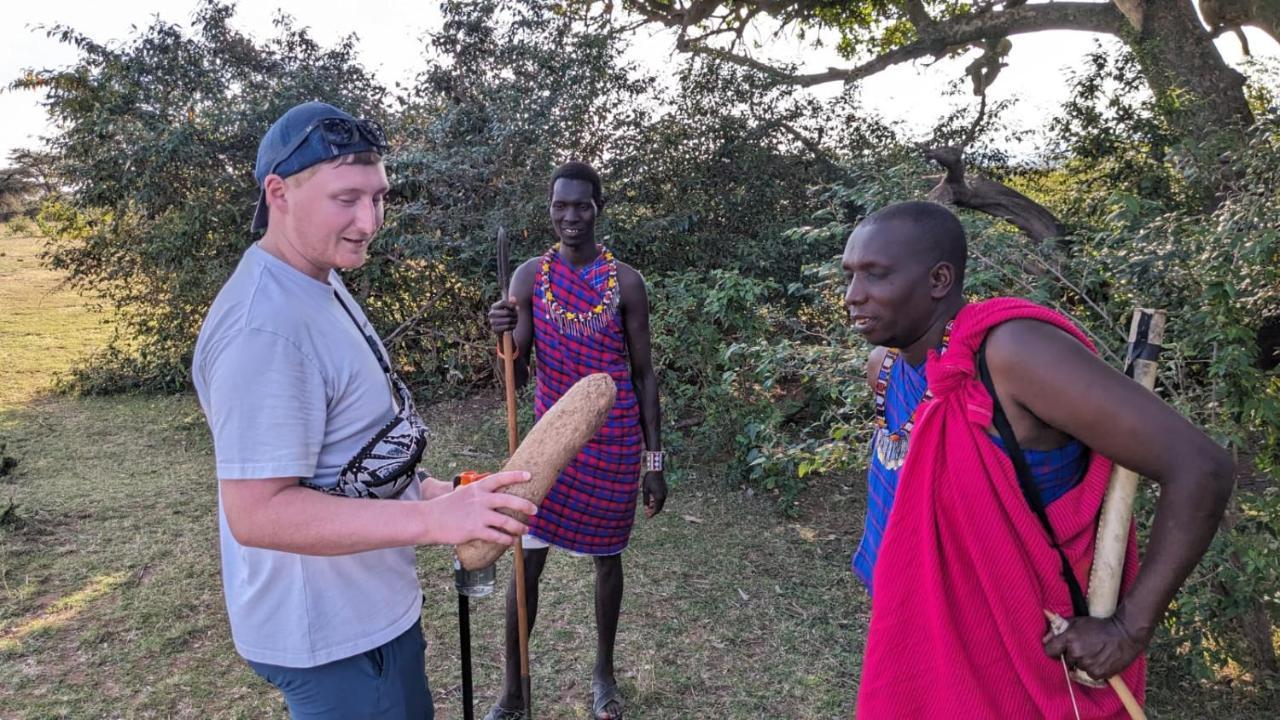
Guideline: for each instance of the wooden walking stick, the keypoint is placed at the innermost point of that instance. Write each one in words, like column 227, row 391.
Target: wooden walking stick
column 508, row 355
column 1146, row 333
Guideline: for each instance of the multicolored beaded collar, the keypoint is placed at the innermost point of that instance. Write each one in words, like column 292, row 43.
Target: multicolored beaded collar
column 891, row 446
column 576, row 323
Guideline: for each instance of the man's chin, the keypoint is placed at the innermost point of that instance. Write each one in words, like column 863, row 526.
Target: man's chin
column 875, row 336
column 577, row 241
column 352, row 259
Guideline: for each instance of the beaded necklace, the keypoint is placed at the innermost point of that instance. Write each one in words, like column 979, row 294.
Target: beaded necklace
column 891, row 446
column 577, row 323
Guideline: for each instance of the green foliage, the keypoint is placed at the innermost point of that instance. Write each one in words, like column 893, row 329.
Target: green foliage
column 1224, row 615
column 766, row 370
column 509, row 91
column 732, row 156
column 1263, row 76
column 157, row 139
column 1220, row 273
column 762, row 374
column 161, row 132
column 1111, row 142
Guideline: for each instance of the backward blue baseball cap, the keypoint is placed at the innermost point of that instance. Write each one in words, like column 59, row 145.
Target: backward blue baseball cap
column 305, row 135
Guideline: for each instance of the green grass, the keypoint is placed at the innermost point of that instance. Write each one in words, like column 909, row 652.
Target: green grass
column 111, row 604
column 44, row 328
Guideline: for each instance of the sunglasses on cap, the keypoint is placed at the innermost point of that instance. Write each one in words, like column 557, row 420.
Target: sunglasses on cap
column 337, row 132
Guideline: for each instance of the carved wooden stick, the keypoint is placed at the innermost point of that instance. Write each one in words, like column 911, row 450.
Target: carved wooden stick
column 556, row 439
column 1146, row 332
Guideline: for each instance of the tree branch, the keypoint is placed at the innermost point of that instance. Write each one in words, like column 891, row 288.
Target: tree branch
column 990, row 197
column 919, row 16
column 813, row 147
column 935, row 38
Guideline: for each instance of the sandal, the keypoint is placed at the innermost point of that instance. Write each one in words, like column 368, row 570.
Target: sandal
column 497, row 712
column 606, row 701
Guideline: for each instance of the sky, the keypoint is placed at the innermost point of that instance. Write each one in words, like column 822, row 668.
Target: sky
column 390, row 44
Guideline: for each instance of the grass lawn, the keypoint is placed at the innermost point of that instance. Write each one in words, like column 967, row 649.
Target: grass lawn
column 44, row 328
column 111, row 604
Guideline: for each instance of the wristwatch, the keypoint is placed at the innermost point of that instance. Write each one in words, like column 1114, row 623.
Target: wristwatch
column 651, row 460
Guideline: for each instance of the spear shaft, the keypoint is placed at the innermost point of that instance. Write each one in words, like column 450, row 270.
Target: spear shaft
column 508, row 355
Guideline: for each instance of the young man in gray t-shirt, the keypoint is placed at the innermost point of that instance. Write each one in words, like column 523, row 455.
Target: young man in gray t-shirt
column 317, row 547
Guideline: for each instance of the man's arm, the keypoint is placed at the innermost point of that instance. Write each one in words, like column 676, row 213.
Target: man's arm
column 516, row 314
column 635, row 322
column 280, row 514
column 1046, row 374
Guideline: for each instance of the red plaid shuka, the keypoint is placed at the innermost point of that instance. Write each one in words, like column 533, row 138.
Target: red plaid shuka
column 592, row 505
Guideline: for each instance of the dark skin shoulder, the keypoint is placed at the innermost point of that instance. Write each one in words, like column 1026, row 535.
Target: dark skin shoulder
column 1039, row 372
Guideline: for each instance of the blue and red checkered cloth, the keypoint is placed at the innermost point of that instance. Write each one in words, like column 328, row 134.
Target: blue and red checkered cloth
column 591, row 507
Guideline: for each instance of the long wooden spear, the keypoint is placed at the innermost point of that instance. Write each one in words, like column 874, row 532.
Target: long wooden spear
column 508, row 355
column 1146, row 333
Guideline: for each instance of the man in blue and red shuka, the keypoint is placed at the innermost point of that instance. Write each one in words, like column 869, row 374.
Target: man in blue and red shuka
column 584, row 312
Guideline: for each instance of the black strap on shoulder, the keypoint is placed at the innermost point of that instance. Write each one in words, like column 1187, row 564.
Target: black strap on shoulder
column 1029, row 490
column 373, row 345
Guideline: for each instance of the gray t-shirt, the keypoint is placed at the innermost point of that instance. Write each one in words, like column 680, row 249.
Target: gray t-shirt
column 291, row 389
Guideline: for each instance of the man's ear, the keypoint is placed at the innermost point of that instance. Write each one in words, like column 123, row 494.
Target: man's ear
column 277, row 192
column 942, row 278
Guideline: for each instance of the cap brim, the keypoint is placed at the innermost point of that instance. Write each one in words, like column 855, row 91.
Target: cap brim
column 260, row 214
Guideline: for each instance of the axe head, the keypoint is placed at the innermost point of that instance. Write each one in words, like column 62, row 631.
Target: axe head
column 503, row 261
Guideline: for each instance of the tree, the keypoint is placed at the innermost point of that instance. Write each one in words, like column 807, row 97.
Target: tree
column 511, row 88
column 730, row 158
column 1196, row 92
column 1233, row 15
column 1176, row 52
column 19, row 186
column 151, row 165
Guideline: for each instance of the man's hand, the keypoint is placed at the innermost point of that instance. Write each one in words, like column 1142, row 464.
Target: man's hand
column 655, row 493
column 471, row 512
column 1101, row 647
column 502, row 316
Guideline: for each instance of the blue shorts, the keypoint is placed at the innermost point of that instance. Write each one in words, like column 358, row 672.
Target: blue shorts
column 386, row 683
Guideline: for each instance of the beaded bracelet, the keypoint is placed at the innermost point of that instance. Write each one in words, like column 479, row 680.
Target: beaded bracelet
column 652, row 460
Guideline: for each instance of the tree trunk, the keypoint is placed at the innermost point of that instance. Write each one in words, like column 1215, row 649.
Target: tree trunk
column 1195, row 87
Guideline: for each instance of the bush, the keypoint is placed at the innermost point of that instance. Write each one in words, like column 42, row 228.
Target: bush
column 158, row 136
column 161, row 133
column 1224, row 618
column 764, row 375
